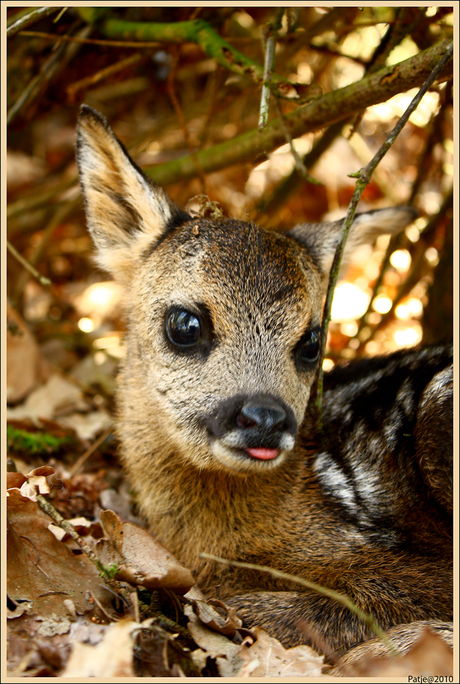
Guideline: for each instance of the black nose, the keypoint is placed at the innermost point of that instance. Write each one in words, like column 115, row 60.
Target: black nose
column 253, row 421
column 263, row 413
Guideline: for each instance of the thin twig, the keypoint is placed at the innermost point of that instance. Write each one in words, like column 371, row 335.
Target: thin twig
column 62, row 211
column 73, row 88
column 272, row 29
column 61, row 13
column 180, row 115
column 91, row 41
column 90, row 451
column 344, row 600
column 53, row 65
column 65, row 525
column 195, row 30
column 363, row 178
column 29, row 19
column 300, row 166
column 41, row 279
column 37, row 199
column 399, row 240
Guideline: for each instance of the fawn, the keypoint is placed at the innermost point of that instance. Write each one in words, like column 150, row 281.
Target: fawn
column 223, row 334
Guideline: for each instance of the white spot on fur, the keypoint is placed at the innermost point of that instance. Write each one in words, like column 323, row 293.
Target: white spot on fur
column 335, row 481
column 439, row 389
column 367, row 484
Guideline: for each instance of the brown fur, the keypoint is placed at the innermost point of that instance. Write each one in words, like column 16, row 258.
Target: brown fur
column 364, row 508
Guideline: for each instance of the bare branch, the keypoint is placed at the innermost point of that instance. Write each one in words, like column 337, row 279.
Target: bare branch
column 363, row 178
column 334, row 106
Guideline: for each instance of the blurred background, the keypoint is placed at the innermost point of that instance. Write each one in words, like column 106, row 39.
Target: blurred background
column 168, row 97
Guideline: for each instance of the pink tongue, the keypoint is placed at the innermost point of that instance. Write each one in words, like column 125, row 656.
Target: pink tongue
column 263, row 454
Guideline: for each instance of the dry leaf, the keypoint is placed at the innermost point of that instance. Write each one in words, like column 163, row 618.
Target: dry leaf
column 15, row 480
column 28, row 486
column 42, row 571
column 226, row 621
column 87, row 425
column 158, row 654
column 216, row 645
column 41, row 471
column 111, row 657
column 430, row 656
column 26, row 368
column 37, row 482
column 56, row 397
column 140, row 559
column 266, row 657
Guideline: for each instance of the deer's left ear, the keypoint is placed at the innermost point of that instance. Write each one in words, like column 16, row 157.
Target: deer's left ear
column 125, row 210
column 321, row 239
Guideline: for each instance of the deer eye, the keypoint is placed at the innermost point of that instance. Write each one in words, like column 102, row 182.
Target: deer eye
column 183, row 328
column 308, row 347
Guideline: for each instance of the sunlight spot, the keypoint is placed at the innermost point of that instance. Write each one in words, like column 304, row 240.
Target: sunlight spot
column 86, row 325
column 382, row 304
column 432, row 255
column 349, row 302
column 400, row 259
column 407, row 337
column 328, row 364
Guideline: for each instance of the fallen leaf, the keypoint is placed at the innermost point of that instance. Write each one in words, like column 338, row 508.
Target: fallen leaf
column 37, row 482
column 56, row 397
column 111, row 657
column 140, row 559
column 267, row 657
column 429, row 656
column 41, row 471
column 87, row 425
column 217, row 646
column 27, row 650
column 42, row 571
column 26, row 368
column 158, row 654
column 15, row 480
column 226, row 621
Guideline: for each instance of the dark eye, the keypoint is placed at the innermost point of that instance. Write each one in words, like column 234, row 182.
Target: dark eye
column 183, row 328
column 307, row 350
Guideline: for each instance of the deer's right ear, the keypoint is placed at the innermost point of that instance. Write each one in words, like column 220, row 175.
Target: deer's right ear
column 125, row 210
column 321, row 239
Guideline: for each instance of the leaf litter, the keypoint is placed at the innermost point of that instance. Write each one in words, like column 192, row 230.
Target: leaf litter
column 62, row 615
column 65, row 620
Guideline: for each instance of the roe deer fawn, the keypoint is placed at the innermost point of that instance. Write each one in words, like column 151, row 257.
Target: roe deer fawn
column 223, row 332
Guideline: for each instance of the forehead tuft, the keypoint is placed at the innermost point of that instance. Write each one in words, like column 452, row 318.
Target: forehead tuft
column 251, row 256
column 240, row 270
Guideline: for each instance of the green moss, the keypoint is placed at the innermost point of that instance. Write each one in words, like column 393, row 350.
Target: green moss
column 35, row 443
column 108, row 570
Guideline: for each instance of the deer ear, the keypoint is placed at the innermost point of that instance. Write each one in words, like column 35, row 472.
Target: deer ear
column 321, row 239
column 125, row 210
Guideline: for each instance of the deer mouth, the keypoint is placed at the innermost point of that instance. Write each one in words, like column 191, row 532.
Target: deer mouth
column 262, row 453
column 246, row 459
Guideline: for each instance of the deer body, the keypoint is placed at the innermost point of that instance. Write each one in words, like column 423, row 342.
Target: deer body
column 223, row 326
